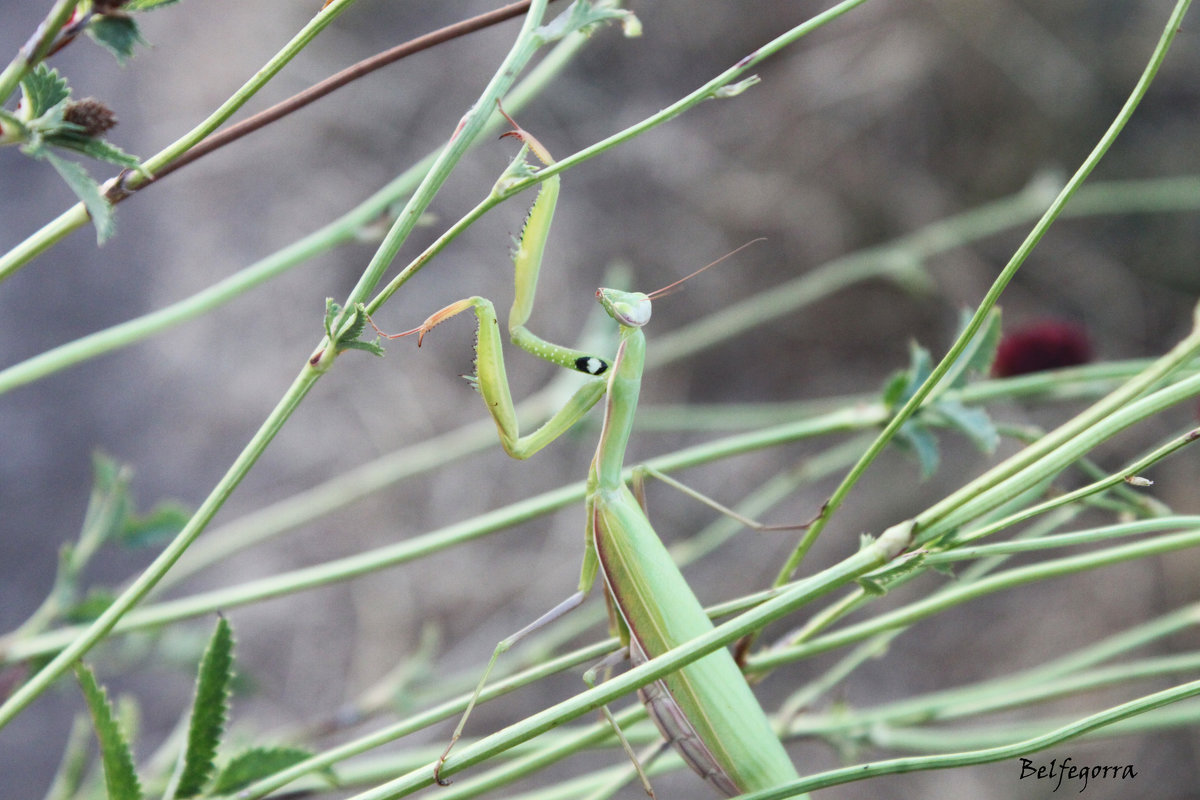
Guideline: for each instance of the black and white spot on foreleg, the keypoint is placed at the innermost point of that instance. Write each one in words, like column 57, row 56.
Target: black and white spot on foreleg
column 591, row 365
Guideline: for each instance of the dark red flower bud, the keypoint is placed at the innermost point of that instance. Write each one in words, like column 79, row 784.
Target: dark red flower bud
column 1043, row 345
column 90, row 114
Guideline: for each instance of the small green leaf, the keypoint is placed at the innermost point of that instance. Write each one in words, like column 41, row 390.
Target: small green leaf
column 120, row 777
column 42, row 89
column 88, row 192
column 923, row 444
column 209, row 712
column 258, row 763
column 118, row 34
column 93, row 147
column 349, row 340
column 973, row 422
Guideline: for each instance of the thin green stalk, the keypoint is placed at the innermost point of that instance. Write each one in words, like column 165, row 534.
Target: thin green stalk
column 341, row 230
column 989, row 755
column 1089, row 536
column 36, row 48
column 424, row 719
column 990, row 697
column 76, row 216
column 957, row 594
column 84, row 642
column 417, row 547
column 993, row 294
column 872, row 556
column 1134, row 468
column 528, row 42
column 946, row 517
column 1183, row 714
column 300, row 387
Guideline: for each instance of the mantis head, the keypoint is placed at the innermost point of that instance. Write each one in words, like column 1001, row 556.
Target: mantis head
column 631, row 309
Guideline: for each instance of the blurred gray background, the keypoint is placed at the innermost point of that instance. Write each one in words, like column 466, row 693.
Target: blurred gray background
column 891, row 118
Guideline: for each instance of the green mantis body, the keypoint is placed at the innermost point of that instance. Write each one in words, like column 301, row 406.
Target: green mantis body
column 706, row 710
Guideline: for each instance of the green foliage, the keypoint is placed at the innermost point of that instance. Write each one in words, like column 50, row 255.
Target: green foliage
column 209, row 712
column 350, row 339
column 85, row 188
column 41, row 90
column 118, row 34
column 258, row 763
column 120, row 777
column 46, row 99
column 940, row 411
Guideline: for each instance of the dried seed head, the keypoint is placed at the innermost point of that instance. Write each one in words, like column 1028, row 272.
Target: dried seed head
column 90, row 114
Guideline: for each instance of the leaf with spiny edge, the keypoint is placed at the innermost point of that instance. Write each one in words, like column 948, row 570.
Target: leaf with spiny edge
column 209, row 712
column 120, row 777
column 86, row 189
column 93, row 147
column 43, row 88
column 258, row 763
column 116, row 33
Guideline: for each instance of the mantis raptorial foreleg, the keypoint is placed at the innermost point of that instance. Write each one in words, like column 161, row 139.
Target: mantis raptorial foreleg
column 706, row 709
column 491, row 378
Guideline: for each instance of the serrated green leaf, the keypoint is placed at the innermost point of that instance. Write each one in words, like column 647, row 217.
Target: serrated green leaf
column 973, row 422
column 209, row 712
column 117, row 34
column 922, row 443
column 42, row 89
column 88, row 192
column 93, row 147
column 120, row 777
column 147, row 5
column 256, row 764
column 374, row 348
column 155, row 527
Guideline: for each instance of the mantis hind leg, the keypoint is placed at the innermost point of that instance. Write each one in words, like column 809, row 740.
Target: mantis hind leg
column 563, row 608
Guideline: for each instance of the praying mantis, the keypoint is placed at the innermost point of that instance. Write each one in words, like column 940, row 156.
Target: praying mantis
column 706, row 710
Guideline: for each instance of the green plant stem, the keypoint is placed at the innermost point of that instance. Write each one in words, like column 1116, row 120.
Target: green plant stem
column 283, row 410
column 36, row 48
column 957, row 594
column 344, row 229
column 872, row 556
column 993, row 294
column 417, row 547
column 81, row 644
column 468, row 129
column 947, row 516
column 77, row 216
column 1118, row 478
column 1183, row 714
column 1089, row 536
column 426, row 718
column 995, row 696
column 1024, row 747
